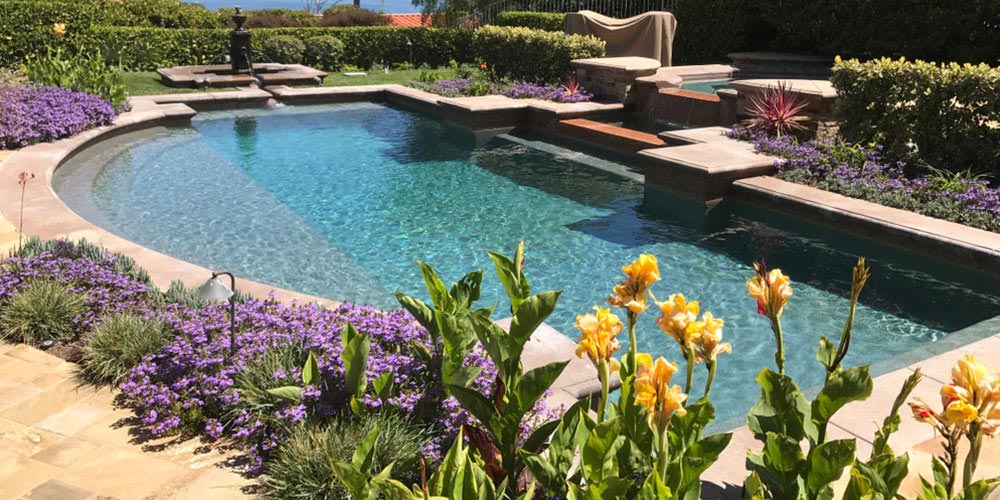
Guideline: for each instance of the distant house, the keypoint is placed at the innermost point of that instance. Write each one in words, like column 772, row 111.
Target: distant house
column 409, row 20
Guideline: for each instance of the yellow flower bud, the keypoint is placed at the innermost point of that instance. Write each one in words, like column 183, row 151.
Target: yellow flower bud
column 632, row 292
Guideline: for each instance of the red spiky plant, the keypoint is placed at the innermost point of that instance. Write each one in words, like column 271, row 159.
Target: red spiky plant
column 776, row 110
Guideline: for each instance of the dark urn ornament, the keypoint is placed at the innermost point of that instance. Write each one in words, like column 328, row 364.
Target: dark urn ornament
column 239, row 46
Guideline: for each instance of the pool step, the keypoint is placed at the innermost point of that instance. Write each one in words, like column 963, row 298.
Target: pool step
column 607, row 135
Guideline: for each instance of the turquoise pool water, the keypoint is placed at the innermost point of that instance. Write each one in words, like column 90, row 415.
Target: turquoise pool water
column 707, row 86
column 341, row 200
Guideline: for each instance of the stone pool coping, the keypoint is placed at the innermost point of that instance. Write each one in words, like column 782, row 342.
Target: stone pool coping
column 48, row 217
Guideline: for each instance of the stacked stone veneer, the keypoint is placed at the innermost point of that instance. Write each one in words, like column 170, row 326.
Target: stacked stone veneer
column 611, row 78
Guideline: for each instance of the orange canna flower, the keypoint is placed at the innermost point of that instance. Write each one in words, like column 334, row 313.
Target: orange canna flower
column 632, row 292
column 771, row 290
column 709, row 338
column 678, row 319
column 598, row 336
column 482, row 66
column 653, row 391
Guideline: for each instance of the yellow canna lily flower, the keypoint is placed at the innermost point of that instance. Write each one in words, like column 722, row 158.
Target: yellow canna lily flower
column 653, row 391
column 632, row 292
column 678, row 319
column 959, row 413
column 923, row 413
column 59, row 29
column 598, row 336
column 972, row 375
column 771, row 290
column 709, row 338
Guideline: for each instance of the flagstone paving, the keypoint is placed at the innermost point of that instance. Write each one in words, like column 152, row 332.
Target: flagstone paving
column 62, row 440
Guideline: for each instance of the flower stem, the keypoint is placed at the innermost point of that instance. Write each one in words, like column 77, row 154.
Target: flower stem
column 710, row 363
column 689, row 359
column 661, row 455
column 779, row 356
column 972, row 458
column 951, row 449
column 633, row 362
column 603, row 373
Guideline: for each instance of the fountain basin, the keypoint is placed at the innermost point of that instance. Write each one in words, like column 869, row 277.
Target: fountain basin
column 222, row 75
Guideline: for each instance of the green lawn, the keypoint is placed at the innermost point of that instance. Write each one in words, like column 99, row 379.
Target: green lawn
column 148, row 82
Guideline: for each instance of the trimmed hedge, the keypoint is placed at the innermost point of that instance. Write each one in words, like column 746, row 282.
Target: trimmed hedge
column 965, row 31
column 709, row 30
column 363, row 45
column 548, row 21
column 26, row 26
column 949, row 112
column 532, row 55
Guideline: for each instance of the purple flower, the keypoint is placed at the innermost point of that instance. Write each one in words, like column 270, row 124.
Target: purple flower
column 39, row 113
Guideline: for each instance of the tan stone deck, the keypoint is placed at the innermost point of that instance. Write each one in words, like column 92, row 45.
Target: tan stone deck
column 63, row 441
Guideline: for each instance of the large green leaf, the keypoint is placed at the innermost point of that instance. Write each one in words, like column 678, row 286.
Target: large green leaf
column 544, row 472
column 310, row 371
column 598, row 457
column 778, row 465
column 827, row 462
column 979, row 490
column 528, row 318
column 654, row 489
column 827, row 352
column 853, row 384
column 351, row 478
column 449, row 476
column 288, row 392
column 696, row 460
column 354, row 355
column 513, row 280
column 475, row 403
column 534, row 383
column 436, row 289
column 538, row 436
column 686, row 429
column 782, row 408
column 465, row 291
column 364, row 454
column 420, row 311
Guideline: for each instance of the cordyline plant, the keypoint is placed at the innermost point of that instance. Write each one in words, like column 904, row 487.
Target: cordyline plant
column 776, row 110
column 971, row 409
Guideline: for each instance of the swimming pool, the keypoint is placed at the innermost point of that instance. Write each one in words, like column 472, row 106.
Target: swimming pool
column 340, row 201
column 706, row 86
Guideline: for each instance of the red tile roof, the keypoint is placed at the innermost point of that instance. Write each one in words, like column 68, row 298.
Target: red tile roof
column 409, row 20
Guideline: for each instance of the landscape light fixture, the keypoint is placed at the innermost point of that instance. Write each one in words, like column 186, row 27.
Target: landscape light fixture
column 215, row 290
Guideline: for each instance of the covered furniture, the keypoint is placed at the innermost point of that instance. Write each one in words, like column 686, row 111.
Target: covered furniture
column 648, row 35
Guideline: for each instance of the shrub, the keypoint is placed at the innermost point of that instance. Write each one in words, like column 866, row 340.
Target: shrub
column 363, row 46
column 352, row 17
column 118, row 344
column 26, row 26
column 39, row 113
column 709, row 30
column 279, row 18
column 45, row 310
column 80, row 73
column 170, row 14
column 324, row 51
column 302, row 468
column 548, row 21
column 505, row 51
column 946, row 114
column 284, row 49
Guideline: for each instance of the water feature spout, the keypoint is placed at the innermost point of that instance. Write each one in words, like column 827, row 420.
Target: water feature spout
column 239, row 46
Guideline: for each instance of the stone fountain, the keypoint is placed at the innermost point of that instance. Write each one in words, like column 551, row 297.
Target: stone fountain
column 241, row 70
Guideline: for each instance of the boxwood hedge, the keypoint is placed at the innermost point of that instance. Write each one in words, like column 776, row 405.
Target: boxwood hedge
column 532, row 55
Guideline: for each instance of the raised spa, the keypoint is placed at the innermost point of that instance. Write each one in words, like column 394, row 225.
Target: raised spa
column 341, row 200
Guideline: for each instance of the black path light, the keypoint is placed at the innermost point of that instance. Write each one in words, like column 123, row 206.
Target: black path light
column 215, row 290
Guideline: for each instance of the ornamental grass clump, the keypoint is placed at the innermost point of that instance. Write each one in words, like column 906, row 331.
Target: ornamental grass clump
column 303, row 467
column 42, row 311
column 118, row 344
column 970, row 409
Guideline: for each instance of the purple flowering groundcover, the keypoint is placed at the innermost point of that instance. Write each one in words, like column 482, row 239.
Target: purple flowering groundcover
column 193, row 385
column 31, row 114
column 867, row 173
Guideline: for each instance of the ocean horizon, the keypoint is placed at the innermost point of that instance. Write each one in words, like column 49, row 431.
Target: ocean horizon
column 387, row 6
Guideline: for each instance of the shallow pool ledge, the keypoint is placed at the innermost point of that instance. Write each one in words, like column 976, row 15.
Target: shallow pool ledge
column 956, row 243
column 47, row 217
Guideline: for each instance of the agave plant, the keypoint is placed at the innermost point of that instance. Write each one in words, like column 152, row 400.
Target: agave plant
column 776, row 110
